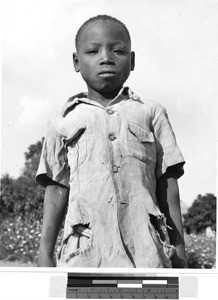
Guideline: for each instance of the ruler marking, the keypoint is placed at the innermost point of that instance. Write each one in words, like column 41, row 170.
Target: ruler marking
column 108, row 286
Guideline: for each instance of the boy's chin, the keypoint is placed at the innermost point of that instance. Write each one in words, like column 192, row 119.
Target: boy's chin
column 110, row 88
column 107, row 90
column 110, row 92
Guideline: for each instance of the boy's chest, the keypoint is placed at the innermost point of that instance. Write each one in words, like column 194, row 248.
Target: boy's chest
column 97, row 121
column 92, row 131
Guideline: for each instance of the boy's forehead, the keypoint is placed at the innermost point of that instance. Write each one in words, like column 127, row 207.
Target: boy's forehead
column 103, row 26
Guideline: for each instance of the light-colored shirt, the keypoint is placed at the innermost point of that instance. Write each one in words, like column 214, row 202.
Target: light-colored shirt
column 110, row 158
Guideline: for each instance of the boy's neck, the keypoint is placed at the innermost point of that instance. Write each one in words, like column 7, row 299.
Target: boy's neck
column 102, row 98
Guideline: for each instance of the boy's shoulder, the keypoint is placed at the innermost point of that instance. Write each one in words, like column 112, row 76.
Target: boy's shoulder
column 54, row 121
column 58, row 121
column 141, row 99
column 150, row 106
column 150, row 103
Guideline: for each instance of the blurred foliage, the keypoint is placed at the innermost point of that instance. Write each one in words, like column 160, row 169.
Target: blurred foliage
column 32, row 157
column 200, row 251
column 201, row 214
column 21, row 210
column 19, row 240
column 23, row 196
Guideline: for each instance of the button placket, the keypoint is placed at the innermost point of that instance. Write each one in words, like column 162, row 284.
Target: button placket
column 112, row 135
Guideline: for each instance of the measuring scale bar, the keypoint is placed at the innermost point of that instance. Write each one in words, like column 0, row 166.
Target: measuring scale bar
column 120, row 286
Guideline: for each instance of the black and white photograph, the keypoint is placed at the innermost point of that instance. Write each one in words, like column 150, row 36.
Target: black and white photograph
column 109, row 134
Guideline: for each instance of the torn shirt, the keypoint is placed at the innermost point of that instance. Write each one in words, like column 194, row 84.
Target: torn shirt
column 110, row 158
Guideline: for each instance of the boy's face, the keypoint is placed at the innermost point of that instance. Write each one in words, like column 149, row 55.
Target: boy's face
column 104, row 57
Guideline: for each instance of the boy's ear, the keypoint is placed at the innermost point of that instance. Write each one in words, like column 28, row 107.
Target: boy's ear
column 76, row 62
column 132, row 60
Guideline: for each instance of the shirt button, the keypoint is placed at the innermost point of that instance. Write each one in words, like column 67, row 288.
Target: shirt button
column 115, row 168
column 111, row 136
column 110, row 111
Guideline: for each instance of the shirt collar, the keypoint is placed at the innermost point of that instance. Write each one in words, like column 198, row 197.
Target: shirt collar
column 124, row 94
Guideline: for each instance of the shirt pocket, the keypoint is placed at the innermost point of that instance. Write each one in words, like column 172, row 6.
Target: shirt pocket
column 141, row 143
column 76, row 145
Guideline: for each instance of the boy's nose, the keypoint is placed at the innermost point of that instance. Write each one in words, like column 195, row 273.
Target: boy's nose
column 106, row 57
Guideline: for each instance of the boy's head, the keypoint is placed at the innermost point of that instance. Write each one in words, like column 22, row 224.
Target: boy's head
column 103, row 56
column 95, row 19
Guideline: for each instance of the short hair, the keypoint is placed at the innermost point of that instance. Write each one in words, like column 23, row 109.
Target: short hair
column 99, row 18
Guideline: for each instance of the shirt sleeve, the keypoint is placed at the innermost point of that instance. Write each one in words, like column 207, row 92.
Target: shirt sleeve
column 168, row 152
column 53, row 163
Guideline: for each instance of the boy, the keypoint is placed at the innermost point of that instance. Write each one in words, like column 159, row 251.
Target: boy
column 111, row 161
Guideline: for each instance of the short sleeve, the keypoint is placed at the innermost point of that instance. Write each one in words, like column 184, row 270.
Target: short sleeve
column 168, row 152
column 53, row 163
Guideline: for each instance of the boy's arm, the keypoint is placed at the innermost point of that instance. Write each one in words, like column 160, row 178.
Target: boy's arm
column 169, row 202
column 55, row 204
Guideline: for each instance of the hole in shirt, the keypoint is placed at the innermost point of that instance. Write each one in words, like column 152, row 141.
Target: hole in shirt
column 160, row 227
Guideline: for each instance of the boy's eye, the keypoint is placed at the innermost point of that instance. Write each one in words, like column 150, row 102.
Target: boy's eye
column 93, row 51
column 118, row 51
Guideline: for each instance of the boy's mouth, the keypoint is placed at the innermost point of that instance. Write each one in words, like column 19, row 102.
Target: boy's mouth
column 107, row 73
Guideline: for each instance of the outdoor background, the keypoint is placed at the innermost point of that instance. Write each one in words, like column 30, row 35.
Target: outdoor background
column 176, row 64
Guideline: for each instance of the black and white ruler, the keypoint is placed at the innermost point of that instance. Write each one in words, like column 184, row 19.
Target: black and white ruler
column 121, row 286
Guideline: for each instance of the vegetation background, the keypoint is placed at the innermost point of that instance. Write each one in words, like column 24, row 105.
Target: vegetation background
column 21, row 210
